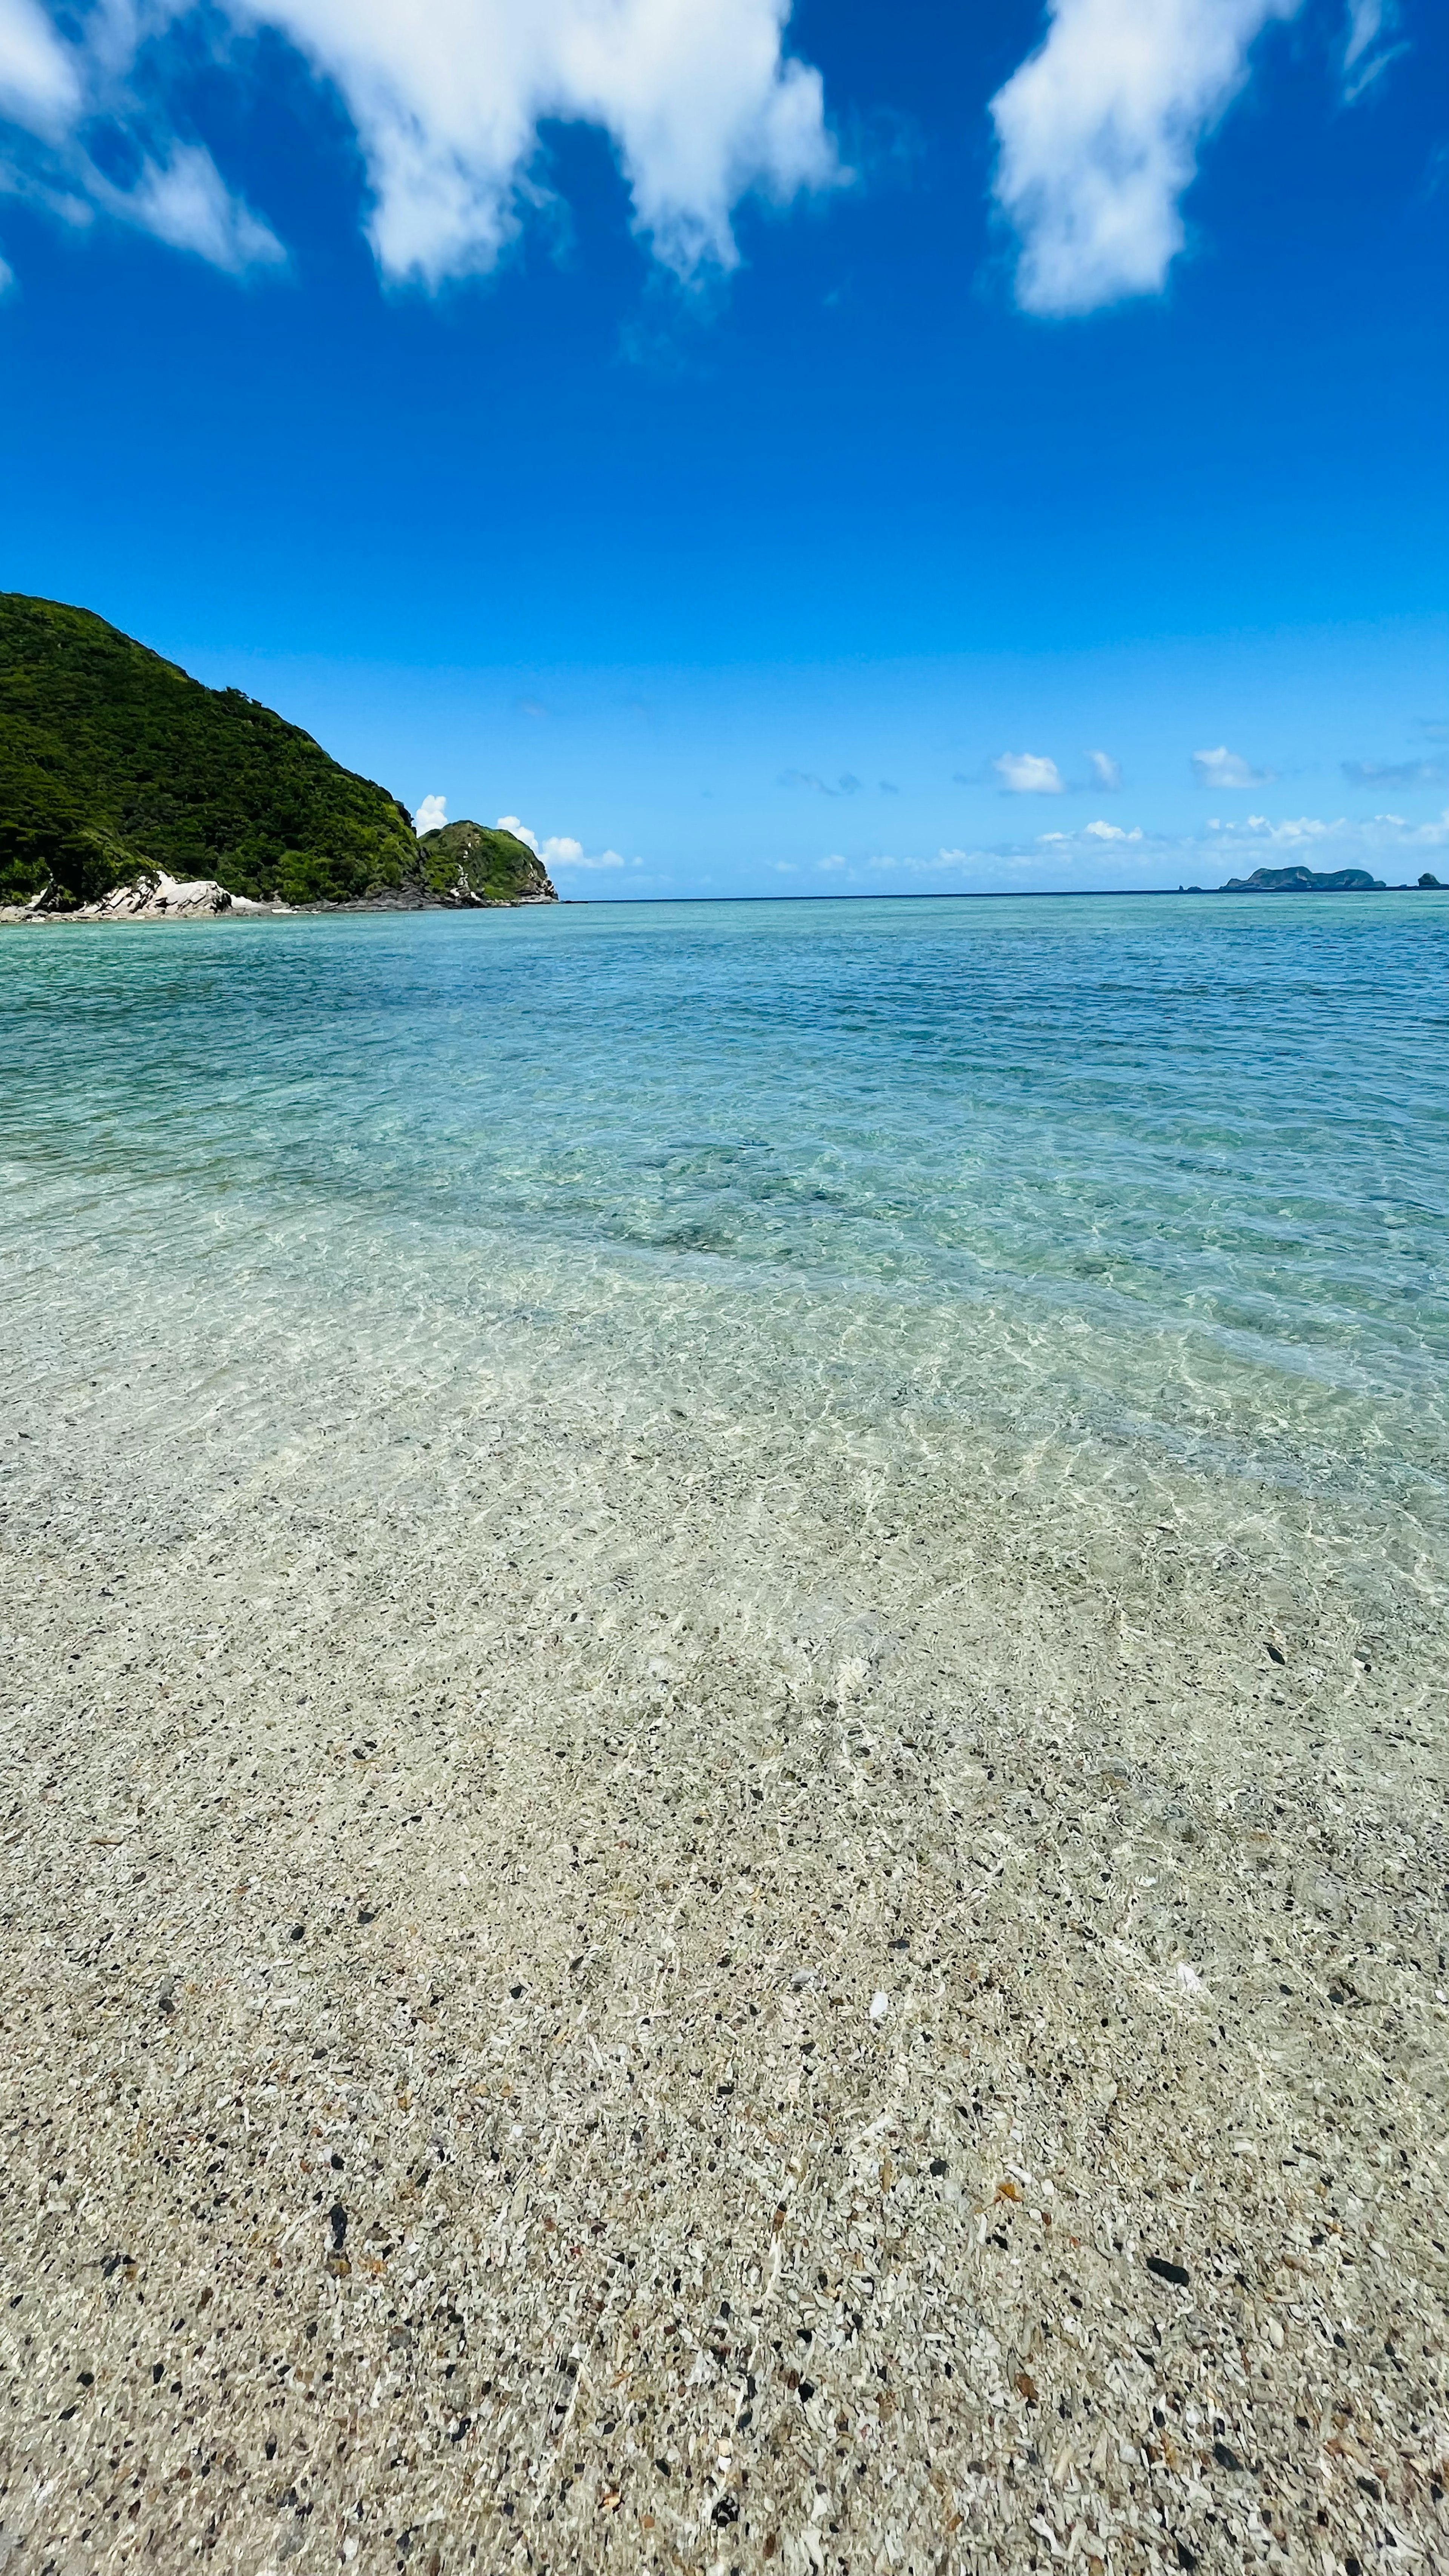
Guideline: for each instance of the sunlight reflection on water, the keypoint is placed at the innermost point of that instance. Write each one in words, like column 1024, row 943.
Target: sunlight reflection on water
column 1173, row 1175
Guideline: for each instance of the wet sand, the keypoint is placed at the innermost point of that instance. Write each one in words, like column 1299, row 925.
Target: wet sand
column 643, row 1987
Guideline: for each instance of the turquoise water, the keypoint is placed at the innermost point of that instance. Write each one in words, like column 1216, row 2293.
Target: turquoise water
column 1169, row 1175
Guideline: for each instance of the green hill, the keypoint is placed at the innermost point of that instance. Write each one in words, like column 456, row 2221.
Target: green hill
column 113, row 761
column 463, row 860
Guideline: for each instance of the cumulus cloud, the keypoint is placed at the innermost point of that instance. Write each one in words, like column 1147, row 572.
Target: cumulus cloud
column 559, row 851
column 1224, row 768
column 1106, row 772
column 1382, row 837
column 431, row 815
column 1105, row 852
column 698, row 97
column 1098, row 134
column 447, row 96
column 571, row 854
column 1028, row 773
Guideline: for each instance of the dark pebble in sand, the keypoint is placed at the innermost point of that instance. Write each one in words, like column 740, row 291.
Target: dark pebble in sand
column 337, row 2219
column 1174, row 2272
column 1225, row 2458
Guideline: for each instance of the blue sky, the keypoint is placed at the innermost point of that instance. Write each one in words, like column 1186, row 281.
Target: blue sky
column 903, row 448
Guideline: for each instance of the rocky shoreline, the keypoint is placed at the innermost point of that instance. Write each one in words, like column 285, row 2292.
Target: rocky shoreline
column 164, row 898
column 146, row 898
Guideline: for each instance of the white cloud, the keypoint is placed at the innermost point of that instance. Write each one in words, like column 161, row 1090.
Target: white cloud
column 53, row 86
column 39, row 84
column 569, row 854
column 1387, row 846
column 1364, row 58
column 1106, row 772
column 559, row 851
column 431, row 815
column 1382, row 834
column 7, row 277
column 1098, row 133
column 1028, row 773
column 185, row 201
column 1294, row 827
column 1224, row 768
column 447, row 97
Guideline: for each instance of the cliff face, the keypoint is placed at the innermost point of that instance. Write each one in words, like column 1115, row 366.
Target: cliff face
column 114, row 763
column 467, row 863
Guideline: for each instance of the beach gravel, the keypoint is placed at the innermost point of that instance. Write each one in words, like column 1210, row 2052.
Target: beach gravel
column 614, row 1989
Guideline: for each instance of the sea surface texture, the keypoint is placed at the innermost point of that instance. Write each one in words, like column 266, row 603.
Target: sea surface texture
column 724, row 1677
column 1168, row 1176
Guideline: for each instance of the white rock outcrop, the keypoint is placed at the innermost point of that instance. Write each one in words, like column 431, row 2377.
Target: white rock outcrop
column 149, row 898
column 169, row 899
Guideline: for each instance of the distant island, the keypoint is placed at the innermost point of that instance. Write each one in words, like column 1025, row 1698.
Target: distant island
column 126, row 786
column 1303, row 881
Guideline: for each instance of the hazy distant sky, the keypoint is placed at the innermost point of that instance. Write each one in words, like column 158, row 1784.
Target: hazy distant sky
column 898, row 446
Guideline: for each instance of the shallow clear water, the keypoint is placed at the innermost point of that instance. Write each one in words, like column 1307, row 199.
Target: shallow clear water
column 1169, row 1175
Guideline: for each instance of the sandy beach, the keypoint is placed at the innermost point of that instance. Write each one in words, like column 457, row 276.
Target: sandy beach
column 599, row 1982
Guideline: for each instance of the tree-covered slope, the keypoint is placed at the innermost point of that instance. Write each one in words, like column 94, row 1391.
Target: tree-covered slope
column 463, row 861
column 112, row 759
